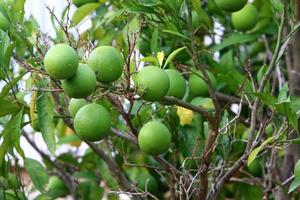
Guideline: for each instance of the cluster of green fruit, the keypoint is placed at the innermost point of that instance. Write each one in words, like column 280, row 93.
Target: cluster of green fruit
column 92, row 121
column 105, row 63
column 244, row 15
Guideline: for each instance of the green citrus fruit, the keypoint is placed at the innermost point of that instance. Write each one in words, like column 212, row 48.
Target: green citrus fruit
column 57, row 187
column 154, row 138
column 153, row 83
column 92, row 122
column 4, row 23
column 198, row 86
column 245, row 19
column 61, row 61
column 79, row 3
column 107, row 62
column 177, row 84
column 231, row 5
column 75, row 105
column 82, row 84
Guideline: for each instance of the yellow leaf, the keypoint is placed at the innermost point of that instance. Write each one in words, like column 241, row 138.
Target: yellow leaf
column 185, row 115
column 160, row 57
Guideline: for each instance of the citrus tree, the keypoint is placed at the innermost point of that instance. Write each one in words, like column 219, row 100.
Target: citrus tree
column 174, row 99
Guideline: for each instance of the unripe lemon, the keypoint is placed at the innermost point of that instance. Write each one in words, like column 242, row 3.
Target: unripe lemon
column 4, row 23
column 177, row 84
column 198, row 86
column 231, row 5
column 82, row 84
column 153, row 83
column 154, row 138
column 79, row 3
column 75, row 105
column 245, row 19
column 61, row 61
column 92, row 122
column 107, row 62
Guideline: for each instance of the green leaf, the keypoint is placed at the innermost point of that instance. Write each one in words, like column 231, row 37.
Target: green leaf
column 267, row 99
column 150, row 59
column 8, row 53
column 286, row 110
column 10, row 85
column 45, row 110
column 283, row 94
column 154, row 41
column 256, row 151
column 5, row 42
column 8, row 106
column 277, row 5
column 227, row 62
column 11, row 134
column 37, row 173
column 82, row 12
column 235, row 38
column 68, row 139
column 294, row 185
column 172, row 55
column 175, row 33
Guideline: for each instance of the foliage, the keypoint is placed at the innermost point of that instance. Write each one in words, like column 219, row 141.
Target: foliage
column 226, row 142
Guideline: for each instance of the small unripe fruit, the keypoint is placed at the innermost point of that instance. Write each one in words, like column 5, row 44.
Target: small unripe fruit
column 245, row 19
column 4, row 23
column 82, row 84
column 61, row 61
column 153, row 83
column 75, row 105
column 154, row 138
column 107, row 62
column 92, row 122
column 231, row 5
column 177, row 84
column 79, row 3
column 198, row 86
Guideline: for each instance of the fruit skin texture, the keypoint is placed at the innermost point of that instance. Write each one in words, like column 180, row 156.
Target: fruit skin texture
column 177, row 84
column 4, row 24
column 75, row 105
column 107, row 62
column 61, row 61
column 153, row 83
column 82, row 84
column 92, row 122
column 79, row 3
column 245, row 19
column 198, row 87
column 231, row 5
column 154, row 138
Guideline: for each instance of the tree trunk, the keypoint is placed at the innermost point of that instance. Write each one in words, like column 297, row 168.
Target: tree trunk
column 292, row 152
